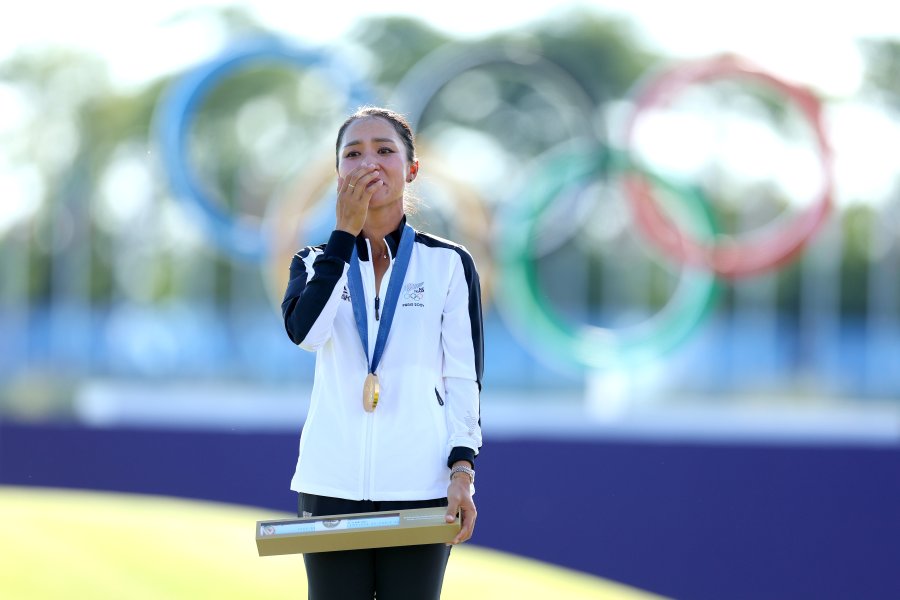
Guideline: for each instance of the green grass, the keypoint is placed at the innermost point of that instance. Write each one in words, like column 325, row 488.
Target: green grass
column 76, row 544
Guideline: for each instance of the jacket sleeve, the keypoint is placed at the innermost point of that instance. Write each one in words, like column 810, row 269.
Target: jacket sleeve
column 310, row 303
column 462, row 338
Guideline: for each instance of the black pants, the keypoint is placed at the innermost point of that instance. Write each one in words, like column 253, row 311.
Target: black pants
column 398, row 573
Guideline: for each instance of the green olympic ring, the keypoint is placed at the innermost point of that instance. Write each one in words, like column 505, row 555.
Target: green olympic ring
column 539, row 326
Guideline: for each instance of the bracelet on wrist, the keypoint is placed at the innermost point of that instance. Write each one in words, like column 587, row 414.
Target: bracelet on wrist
column 462, row 469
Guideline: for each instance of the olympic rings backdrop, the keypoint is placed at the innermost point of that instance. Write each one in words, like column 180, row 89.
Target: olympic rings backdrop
column 506, row 226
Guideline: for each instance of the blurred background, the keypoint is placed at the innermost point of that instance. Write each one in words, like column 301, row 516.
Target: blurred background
column 685, row 218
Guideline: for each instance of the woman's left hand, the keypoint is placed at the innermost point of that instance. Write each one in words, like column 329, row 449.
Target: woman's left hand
column 459, row 499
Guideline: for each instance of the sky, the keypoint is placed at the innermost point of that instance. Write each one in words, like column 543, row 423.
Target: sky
column 815, row 46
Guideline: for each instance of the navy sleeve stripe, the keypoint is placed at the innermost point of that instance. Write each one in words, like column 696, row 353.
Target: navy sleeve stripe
column 304, row 300
column 474, row 312
column 472, row 281
column 475, row 320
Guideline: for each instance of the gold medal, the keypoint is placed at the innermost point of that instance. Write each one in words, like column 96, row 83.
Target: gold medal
column 371, row 390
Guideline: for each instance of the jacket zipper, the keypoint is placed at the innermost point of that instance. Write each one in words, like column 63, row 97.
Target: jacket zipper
column 367, row 467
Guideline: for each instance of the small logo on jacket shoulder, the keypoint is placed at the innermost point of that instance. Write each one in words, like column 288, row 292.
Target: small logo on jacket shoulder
column 414, row 293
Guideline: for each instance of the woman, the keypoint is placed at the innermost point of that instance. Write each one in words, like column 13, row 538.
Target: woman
column 394, row 420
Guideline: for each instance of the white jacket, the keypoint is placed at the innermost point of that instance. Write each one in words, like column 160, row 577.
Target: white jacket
column 428, row 413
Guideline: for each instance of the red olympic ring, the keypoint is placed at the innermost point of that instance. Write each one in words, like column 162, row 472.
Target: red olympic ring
column 761, row 250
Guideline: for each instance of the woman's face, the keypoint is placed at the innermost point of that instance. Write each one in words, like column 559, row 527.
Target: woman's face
column 374, row 141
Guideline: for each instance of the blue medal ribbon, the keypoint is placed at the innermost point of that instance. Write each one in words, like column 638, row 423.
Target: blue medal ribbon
column 358, row 296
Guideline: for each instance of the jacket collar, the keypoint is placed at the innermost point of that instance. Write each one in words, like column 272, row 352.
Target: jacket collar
column 392, row 239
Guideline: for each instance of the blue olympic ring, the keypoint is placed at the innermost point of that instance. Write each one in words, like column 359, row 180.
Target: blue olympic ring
column 178, row 108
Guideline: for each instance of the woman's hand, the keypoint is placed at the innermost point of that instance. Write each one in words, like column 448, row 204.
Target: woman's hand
column 354, row 193
column 459, row 499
